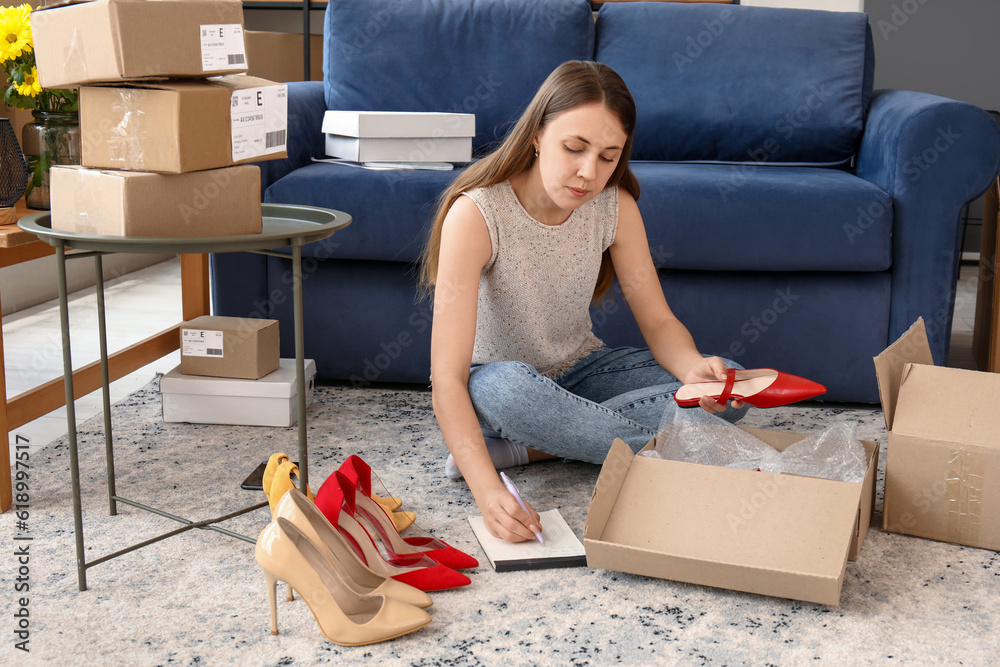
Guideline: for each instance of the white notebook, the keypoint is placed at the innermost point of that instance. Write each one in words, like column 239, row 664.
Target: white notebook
column 562, row 548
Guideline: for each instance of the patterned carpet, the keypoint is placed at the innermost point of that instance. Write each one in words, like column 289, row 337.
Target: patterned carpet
column 199, row 598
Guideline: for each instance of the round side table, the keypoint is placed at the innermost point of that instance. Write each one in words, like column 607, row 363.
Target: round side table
column 284, row 226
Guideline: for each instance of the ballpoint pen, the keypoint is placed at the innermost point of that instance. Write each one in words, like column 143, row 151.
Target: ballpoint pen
column 517, row 496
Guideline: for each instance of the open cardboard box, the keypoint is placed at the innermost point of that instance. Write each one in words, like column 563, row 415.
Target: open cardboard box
column 782, row 535
column 942, row 468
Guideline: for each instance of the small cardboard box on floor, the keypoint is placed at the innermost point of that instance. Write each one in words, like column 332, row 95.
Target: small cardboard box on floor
column 78, row 42
column 216, row 202
column 229, row 347
column 270, row 401
column 942, row 467
column 181, row 126
column 782, row 535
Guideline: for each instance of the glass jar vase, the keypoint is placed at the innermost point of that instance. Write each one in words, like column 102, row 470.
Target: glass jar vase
column 52, row 138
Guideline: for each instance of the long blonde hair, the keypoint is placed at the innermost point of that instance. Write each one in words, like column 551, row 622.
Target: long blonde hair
column 572, row 84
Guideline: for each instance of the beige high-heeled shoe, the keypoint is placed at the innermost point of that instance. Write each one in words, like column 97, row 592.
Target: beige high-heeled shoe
column 344, row 617
column 305, row 516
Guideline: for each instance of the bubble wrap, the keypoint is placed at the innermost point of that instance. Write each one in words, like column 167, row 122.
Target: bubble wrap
column 696, row 436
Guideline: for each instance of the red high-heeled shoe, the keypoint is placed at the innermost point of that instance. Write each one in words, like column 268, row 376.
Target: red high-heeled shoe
column 336, row 500
column 760, row 387
column 389, row 504
column 359, row 474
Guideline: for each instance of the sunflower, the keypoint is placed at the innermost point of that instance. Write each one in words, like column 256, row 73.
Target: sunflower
column 30, row 87
column 15, row 32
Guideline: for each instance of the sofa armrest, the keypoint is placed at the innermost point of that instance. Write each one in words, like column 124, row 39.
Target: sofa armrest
column 933, row 155
column 306, row 106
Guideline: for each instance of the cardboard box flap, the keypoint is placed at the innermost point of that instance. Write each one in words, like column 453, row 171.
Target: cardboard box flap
column 602, row 500
column 949, row 405
column 821, row 589
column 911, row 348
column 225, row 323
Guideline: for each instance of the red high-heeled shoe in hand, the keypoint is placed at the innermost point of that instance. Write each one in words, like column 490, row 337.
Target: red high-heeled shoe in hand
column 760, row 387
column 336, row 500
column 359, row 474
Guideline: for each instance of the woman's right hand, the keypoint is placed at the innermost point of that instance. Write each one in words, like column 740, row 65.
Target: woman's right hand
column 504, row 517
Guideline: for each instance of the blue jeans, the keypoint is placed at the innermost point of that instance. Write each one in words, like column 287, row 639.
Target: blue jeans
column 610, row 393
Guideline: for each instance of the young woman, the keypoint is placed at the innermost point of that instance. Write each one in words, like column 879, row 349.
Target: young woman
column 524, row 240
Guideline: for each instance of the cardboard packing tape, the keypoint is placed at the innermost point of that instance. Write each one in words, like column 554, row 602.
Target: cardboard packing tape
column 966, row 472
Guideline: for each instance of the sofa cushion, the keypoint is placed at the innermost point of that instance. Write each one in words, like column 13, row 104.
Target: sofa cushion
column 391, row 210
column 740, row 84
column 486, row 57
column 763, row 218
column 697, row 216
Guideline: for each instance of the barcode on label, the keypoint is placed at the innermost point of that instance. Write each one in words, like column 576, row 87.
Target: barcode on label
column 276, row 138
column 213, row 352
column 237, row 59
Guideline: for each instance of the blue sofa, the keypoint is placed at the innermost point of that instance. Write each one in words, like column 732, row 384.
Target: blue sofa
column 799, row 220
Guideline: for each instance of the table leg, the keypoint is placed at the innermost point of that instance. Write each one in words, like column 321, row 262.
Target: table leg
column 6, row 495
column 195, row 296
column 102, row 332
column 74, row 462
column 300, row 371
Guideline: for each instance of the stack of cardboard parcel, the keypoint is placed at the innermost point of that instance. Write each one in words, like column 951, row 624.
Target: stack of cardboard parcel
column 169, row 125
column 168, row 122
column 230, row 373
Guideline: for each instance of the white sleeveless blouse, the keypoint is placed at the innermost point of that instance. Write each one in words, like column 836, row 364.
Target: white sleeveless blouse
column 535, row 291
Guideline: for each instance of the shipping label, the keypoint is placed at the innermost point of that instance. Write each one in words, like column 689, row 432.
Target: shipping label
column 222, row 47
column 259, row 121
column 201, row 343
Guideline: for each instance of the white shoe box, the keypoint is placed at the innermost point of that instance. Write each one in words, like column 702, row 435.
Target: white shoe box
column 269, row 401
column 399, row 136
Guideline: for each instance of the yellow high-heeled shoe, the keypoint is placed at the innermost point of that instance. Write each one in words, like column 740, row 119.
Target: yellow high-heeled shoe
column 343, row 616
column 401, row 520
column 304, row 515
column 389, row 504
column 281, row 482
column 272, row 467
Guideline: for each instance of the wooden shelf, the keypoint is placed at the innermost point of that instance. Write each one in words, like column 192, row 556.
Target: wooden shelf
column 10, row 234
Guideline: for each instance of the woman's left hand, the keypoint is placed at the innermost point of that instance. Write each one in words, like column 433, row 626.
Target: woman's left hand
column 710, row 369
